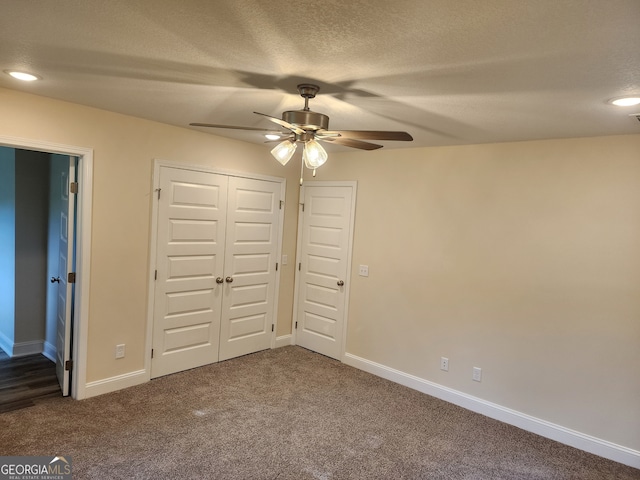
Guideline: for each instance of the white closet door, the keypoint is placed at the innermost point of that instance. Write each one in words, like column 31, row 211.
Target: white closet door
column 190, row 255
column 327, row 223
column 250, row 266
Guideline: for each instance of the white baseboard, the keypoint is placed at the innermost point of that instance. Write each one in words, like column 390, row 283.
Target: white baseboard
column 23, row 349
column 107, row 385
column 283, row 341
column 588, row 443
column 100, row 387
column 49, row 351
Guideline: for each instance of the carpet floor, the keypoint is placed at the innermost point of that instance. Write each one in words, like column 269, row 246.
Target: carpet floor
column 286, row 414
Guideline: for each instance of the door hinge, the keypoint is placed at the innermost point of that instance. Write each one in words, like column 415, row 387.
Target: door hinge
column 276, row 266
column 299, row 266
column 68, row 365
column 302, row 207
column 71, row 278
column 73, row 187
column 158, row 190
column 296, row 325
column 152, row 353
column 156, row 275
column 281, row 203
column 272, row 327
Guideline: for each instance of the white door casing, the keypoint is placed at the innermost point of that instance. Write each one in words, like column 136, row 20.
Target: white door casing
column 65, row 266
column 324, row 252
column 190, row 254
column 250, row 267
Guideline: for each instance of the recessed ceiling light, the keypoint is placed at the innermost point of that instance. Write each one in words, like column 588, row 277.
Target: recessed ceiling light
column 625, row 101
column 24, row 76
column 272, row 136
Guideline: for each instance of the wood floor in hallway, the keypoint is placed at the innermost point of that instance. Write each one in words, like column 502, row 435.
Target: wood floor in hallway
column 25, row 380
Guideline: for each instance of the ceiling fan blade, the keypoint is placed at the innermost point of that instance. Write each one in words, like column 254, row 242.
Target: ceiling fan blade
column 372, row 135
column 349, row 142
column 282, row 123
column 229, row 126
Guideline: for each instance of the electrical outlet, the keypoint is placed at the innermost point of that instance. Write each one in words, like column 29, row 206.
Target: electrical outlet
column 363, row 271
column 444, row 364
column 477, row 374
column 285, row 259
column 120, row 351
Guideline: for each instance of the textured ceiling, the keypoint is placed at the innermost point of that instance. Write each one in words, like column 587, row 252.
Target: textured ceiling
column 448, row 72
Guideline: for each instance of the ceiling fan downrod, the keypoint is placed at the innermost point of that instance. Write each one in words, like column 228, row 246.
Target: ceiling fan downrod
column 307, row 119
column 307, row 91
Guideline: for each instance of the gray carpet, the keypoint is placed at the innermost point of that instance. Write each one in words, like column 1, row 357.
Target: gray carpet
column 286, row 414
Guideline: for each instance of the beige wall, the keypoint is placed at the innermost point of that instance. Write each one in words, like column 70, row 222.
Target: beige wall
column 124, row 150
column 522, row 259
column 519, row 258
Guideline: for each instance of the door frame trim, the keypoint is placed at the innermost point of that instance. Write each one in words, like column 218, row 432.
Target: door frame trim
column 347, row 293
column 153, row 240
column 82, row 249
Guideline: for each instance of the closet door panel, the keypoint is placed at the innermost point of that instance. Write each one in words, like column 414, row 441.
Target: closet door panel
column 192, row 211
column 250, row 266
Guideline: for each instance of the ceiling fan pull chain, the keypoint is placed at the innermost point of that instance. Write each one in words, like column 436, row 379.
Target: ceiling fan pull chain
column 301, row 171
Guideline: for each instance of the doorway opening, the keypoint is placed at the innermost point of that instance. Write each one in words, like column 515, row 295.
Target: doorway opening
column 38, row 242
column 71, row 271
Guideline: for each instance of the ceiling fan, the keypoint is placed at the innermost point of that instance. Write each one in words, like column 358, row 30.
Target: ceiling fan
column 306, row 126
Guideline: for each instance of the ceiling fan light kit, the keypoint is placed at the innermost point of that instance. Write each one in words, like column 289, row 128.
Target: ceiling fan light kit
column 314, row 155
column 284, row 151
column 307, row 127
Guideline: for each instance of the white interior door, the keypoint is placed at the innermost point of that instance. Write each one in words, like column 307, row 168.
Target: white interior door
column 190, row 254
column 250, row 266
column 65, row 266
column 324, row 262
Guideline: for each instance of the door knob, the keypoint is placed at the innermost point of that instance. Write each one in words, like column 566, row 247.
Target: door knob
column 340, row 283
column 229, row 279
column 219, row 280
column 55, row 279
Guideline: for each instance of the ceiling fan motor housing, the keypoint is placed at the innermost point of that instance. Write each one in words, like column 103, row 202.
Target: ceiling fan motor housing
column 306, row 119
